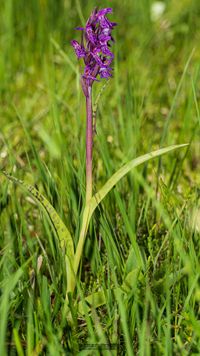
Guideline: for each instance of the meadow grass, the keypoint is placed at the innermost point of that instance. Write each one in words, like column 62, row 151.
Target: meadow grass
column 142, row 249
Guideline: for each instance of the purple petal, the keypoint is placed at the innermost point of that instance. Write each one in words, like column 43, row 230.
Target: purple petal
column 105, row 23
column 88, row 76
column 92, row 19
column 79, row 50
column 113, row 24
column 105, row 11
column 79, row 28
column 97, row 59
column 88, row 73
column 105, row 72
column 104, row 39
column 106, row 31
column 105, row 50
column 91, row 36
column 96, row 50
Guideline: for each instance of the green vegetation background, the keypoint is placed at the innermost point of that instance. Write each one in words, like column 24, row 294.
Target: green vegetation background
column 152, row 101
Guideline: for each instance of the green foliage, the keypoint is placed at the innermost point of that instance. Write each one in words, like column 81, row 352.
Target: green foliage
column 66, row 242
column 101, row 194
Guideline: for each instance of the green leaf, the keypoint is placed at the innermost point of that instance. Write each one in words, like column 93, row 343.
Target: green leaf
column 63, row 233
column 94, row 300
column 97, row 299
column 130, row 282
column 60, row 228
column 101, row 194
column 116, row 177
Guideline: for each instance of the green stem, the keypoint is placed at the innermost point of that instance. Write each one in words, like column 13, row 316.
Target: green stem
column 84, row 228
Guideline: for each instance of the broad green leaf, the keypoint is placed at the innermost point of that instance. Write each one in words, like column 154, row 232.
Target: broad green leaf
column 97, row 299
column 63, row 233
column 116, row 177
column 94, row 300
column 100, row 195
column 130, row 282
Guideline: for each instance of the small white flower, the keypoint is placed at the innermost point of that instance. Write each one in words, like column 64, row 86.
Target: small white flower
column 157, row 10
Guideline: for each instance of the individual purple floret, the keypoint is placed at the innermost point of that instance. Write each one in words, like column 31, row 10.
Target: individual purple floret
column 95, row 47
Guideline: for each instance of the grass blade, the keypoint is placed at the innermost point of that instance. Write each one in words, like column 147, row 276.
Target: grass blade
column 63, row 233
column 5, row 305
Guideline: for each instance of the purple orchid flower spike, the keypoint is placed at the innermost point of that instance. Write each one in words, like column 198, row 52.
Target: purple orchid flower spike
column 95, row 49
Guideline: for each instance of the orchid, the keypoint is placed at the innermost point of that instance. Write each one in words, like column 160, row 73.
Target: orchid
column 95, row 50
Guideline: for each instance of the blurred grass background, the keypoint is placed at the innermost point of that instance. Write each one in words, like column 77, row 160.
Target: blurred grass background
column 152, row 101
